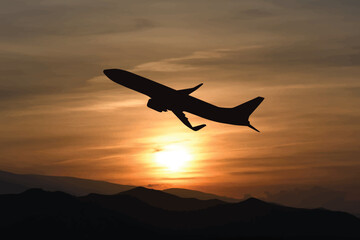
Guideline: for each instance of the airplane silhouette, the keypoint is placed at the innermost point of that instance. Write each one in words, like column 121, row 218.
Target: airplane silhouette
column 163, row 98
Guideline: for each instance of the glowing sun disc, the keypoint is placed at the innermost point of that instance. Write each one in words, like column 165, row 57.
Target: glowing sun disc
column 173, row 158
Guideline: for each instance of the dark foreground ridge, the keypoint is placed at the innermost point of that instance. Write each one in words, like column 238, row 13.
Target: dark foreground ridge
column 57, row 215
column 169, row 201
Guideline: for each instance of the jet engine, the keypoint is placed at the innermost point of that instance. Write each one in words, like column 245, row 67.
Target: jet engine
column 156, row 105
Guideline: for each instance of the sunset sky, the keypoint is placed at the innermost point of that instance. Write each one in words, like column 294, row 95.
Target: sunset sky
column 61, row 116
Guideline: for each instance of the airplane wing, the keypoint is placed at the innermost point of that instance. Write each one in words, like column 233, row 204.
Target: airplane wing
column 190, row 90
column 184, row 119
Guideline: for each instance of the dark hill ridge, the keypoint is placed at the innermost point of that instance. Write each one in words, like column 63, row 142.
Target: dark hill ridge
column 150, row 206
column 186, row 193
column 17, row 183
column 99, row 216
column 57, row 215
column 248, row 217
column 160, row 199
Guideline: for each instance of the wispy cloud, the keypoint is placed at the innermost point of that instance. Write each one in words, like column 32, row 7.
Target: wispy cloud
column 179, row 64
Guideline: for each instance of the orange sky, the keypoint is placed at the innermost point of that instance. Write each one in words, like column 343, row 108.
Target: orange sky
column 61, row 116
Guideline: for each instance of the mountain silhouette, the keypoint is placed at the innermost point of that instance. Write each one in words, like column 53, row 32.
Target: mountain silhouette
column 186, row 193
column 251, row 217
column 17, row 183
column 57, row 215
column 160, row 199
column 39, row 213
column 314, row 197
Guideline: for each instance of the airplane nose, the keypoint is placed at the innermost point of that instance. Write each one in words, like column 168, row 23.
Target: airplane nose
column 107, row 72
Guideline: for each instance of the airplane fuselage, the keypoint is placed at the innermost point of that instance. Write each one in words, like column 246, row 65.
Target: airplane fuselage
column 163, row 98
column 171, row 98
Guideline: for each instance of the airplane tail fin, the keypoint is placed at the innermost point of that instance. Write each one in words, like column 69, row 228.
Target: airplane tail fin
column 247, row 108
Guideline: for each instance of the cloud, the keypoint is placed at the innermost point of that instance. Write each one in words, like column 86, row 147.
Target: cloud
column 158, row 186
column 179, row 64
column 254, row 13
column 339, row 6
column 30, row 75
column 296, row 56
column 255, row 172
column 64, row 19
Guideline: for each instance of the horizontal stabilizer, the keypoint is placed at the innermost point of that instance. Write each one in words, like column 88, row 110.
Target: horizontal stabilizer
column 190, row 90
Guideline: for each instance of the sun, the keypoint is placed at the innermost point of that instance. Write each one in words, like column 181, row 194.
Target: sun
column 173, row 157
